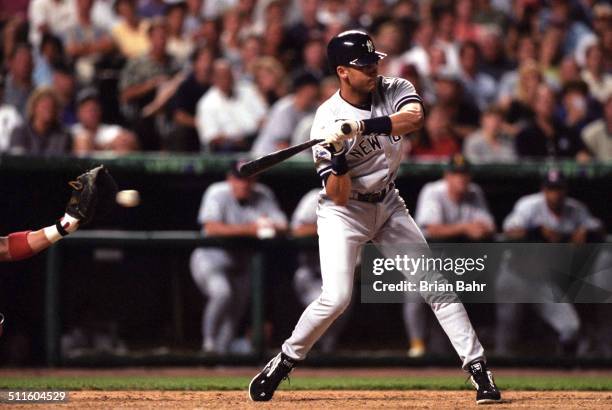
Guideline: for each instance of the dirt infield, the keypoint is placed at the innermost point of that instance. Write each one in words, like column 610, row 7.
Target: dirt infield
column 331, row 400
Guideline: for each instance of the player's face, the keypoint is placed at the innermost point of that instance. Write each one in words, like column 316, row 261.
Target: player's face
column 458, row 183
column 554, row 197
column 362, row 79
column 241, row 187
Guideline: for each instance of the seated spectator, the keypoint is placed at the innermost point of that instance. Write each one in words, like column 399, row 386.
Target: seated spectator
column 185, row 136
column 131, row 33
column 544, row 136
column 64, row 84
column 517, row 104
column 595, row 75
column 437, row 141
column 18, row 81
column 9, row 120
column 229, row 115
column 597, row 136
column 49, row 54
column 269, row 78
column 480, row 86
column 50, row 17
column 547, row 216
column 464, row 115
column 285, row 114
column 308, row 26
column 490, row 143
column 90, row 134
column 86, row 42
column 236, row 207
column 141, row 80
column 180, row 46
column 193, row 18
column 577, row 107
column 43, row 134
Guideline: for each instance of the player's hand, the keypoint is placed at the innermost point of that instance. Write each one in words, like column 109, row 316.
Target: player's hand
column 580, row 236
column 342, row 131
column 551, row 235
column 95, row 189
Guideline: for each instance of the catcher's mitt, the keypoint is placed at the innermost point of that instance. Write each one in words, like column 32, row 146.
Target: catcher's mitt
column 95, row 189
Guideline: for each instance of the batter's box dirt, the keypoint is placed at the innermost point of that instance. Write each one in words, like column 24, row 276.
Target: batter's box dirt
column 330, row 399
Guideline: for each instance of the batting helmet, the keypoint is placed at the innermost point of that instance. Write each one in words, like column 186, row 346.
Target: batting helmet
column 352, row 48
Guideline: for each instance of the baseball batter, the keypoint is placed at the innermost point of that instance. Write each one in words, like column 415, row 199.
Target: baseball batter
column 359, row 203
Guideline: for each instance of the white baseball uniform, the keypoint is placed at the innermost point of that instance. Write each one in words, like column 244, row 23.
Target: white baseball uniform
column 373, row 162
column 531, row 211
column 222, row 274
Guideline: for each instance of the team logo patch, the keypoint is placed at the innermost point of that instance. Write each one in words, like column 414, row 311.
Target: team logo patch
column 370, row 46
column 321, row 153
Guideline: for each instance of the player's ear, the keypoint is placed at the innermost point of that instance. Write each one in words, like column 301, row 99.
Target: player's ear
column 342, row 72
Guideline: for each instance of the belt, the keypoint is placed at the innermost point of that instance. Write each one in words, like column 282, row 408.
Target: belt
column 373, row 197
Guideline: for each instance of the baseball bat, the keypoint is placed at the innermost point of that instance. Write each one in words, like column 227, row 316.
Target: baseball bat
column 260, row 164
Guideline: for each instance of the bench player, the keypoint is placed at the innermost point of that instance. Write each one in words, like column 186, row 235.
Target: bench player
column 359, row 203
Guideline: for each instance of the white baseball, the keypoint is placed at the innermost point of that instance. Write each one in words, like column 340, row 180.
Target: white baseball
column 128, row 198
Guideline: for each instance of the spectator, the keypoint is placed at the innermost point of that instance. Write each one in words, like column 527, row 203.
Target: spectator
column 18, row 81
column 464, row 116
column 180, row 46
column 50, row 17
column 50, row 54
column 43, row 134
column 598, row 80
column 418, row 54
column 237, row 207
column 250, row 52
column 481, row 87
column 329, row 86
column 493, row 60
column 193, row 18
column 86, row 43
column 285, row 114
column 465, row 28
column 518, row 105
column 577, row 107
column 9, row 120
column 269, row 77
column 64, row 84
column 526, row 50
column 307, row 28
column 229, row 115
column 437, row 141
column 131, row 33
column 450, row 209
column 307, row 280
column 90, row 134
column 548, row 216
column 190, row 91
column 597, row 136
column 314, row 58
column 547, row 137
column 490, row 143
column 141, row 79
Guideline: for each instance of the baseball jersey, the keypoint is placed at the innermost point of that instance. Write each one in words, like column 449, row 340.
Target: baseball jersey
column 531, row 211
column 434, row 206
column 220, row 205
column 373, row 159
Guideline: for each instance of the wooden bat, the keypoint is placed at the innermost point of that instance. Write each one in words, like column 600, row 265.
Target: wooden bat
column 260, row 164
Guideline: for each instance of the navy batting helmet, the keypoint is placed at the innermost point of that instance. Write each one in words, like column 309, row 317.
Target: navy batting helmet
column 352, row 48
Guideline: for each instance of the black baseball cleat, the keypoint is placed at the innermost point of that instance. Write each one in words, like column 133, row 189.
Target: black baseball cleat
column 482, row 379
column 263, row 386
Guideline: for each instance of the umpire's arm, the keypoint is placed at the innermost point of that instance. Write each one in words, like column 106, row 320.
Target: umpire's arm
column 409, row 118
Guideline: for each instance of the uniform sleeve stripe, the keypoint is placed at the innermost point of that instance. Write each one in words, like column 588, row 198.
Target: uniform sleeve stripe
column 324, row 170
column 406, row 100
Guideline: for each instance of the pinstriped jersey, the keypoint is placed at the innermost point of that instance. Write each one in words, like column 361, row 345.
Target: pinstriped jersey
column 374, row 159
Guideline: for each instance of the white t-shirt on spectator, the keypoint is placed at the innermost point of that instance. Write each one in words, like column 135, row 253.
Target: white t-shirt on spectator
column 234, row 117
column 105, row 134
column 9, row 120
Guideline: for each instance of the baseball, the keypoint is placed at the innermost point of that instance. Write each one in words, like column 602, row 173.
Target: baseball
column 128, row 198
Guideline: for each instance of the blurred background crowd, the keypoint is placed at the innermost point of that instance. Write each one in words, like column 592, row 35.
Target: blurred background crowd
column 502, row 79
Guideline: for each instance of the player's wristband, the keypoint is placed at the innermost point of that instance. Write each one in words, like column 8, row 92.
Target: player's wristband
column 339, row 164
column 63, row 227
column 18, row 246
column 377, row 125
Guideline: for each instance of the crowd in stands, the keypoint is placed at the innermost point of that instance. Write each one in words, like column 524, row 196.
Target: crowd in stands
column 502, row 79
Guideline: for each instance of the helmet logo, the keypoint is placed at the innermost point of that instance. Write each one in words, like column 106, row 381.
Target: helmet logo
column 370, row 46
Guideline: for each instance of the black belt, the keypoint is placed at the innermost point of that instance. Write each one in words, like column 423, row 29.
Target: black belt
column 374, row 197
